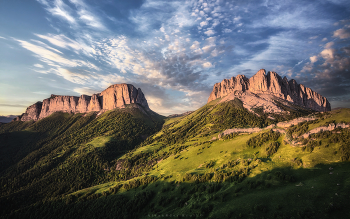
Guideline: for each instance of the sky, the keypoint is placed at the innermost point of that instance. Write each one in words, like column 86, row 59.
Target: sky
column 175, row 51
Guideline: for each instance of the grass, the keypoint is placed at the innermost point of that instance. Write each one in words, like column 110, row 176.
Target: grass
column 100, row 141
column 340, row 115
column 291, row 182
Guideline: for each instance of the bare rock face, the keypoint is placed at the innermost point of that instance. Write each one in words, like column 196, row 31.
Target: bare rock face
column 267, row 87
column 32, row 112
column 115, row 96
column 118, row 95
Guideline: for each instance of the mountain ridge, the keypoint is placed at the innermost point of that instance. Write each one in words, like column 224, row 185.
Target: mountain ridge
column 115, row 96
column 261, row 84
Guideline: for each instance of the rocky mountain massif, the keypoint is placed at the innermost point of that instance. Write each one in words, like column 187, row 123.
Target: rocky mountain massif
column 115, row 96
column 262, row 90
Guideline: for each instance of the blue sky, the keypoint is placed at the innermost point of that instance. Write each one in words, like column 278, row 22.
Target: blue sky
column 173, row 50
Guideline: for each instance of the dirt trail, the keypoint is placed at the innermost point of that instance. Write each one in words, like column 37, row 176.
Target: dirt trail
column 279, row 127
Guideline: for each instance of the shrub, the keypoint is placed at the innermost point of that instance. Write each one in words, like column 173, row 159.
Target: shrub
column 260, row 139
column 272, row 148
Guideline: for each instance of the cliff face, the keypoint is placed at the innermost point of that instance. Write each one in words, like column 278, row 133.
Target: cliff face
column 32, row 112
column 115, row 96
column 272, row 84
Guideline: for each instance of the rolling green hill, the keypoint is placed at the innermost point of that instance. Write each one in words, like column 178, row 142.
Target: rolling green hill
column 119, row 165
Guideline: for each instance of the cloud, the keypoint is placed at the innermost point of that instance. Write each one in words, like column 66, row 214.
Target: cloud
column 327, row 54
column 237, row 19
column 38, row 65
column 54, row 59
column 183, row 47
column 313, row 59
column 209, row 32
column 331, row 74
column 82, row 14
column 46, row 55
column 342, row 33
column 299, row 15
column 12, row 105
column 203, row 23
column 329, row 45
column 195, row 45
column 60, row 9
column 87, row 16
column 85, row 90
column 207, row 65
column 72, row 77
column 65, row 42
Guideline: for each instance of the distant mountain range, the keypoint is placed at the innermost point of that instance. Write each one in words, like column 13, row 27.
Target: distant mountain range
column 6, row 119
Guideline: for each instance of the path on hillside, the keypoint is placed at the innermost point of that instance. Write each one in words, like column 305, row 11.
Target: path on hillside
column 279, row 127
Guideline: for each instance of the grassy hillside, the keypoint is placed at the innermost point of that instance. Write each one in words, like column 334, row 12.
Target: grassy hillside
column 182, row 171
column 63, row 153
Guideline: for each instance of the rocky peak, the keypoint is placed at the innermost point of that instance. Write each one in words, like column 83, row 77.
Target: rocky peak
column 273, row 85
column 115, row 96
column 258, row 82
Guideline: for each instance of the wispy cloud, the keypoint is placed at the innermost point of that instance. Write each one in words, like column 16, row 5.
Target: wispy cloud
column 82, row 14
column 183, row 47
column 61, row 10
column 46, row 55
column 38, row 66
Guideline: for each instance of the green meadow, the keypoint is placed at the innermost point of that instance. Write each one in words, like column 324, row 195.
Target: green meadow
column 124, row 164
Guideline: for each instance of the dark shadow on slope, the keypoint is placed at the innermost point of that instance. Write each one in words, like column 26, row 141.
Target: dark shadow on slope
column 279, row 193
column 49, row 158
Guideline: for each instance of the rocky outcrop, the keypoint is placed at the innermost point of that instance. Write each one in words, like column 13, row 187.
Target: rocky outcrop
column 119, row 95
column 115, row 96
column 330, row 127
column 32, row 112
column 272, row 84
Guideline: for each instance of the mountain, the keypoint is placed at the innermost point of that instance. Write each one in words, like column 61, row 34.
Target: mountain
column 263, row 90
column 6, row 119
column 179, row 115
column 223, row 160
column 115, row 96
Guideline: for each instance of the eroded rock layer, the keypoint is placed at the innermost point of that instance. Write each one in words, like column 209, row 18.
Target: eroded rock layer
column 272, row 84
column 115, row 96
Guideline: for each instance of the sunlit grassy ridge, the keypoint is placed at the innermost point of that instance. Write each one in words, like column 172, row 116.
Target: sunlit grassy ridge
column 259, row 186
column 183, row 170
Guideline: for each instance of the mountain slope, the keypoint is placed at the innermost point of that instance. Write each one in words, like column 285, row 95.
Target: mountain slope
column 243, row 175
column 129, row 163
column 64, row 152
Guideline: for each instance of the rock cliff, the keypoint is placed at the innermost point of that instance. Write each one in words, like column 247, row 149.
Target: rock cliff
column 115, row 96
column 268, row 87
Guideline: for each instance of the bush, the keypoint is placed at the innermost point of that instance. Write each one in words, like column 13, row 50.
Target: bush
column 272, row 148
column 260, row 139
